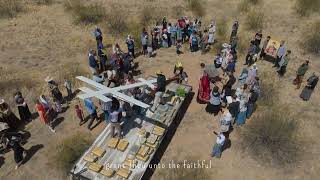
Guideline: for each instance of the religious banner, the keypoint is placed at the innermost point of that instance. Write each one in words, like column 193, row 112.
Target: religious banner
column 272, row 48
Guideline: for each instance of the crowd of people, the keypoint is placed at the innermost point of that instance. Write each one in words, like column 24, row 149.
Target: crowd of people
column 233, row 97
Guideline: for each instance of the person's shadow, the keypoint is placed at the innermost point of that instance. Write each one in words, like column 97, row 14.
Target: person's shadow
column 1, row 161
column 32, row 151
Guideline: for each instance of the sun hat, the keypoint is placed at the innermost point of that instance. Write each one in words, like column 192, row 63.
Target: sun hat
column 48, row 79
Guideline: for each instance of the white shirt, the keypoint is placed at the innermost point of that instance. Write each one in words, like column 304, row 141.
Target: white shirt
column 220, row 139
column 114, row 116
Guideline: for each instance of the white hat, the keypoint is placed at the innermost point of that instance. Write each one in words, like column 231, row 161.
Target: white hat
column 2, row 101
column 48, row 79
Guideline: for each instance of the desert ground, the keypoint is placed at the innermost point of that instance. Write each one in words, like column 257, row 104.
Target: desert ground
column 44, row 40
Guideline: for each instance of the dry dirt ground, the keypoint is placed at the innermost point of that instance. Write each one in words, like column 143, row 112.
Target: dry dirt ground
column 44, row 41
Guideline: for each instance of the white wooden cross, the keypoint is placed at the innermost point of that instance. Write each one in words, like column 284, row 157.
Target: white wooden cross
column 103, row 91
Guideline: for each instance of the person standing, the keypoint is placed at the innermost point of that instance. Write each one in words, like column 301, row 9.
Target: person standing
column 115, row 117
column 251, row 52
column 234, row 30
column 242, row 115
column 91, row 108
column 281, row 52
column 19, row 153
column 264, row 47
column 284, row 63
column 79, row 113
column 68, row 86
column 93, row 64
column 204, row 86
column 217, row 148
column 55, row 93
column 212, row 31
column 308, row 89
column 160, row 89
column 98, row 35
column 214, row 105
column 300, row 73
column 234, row 107
column 130, row 44
column 173, row 31
column 24, row 112
column 7, row 116
column 242, row 79
column 144, row 40
column 44, row 115
column 253, row 97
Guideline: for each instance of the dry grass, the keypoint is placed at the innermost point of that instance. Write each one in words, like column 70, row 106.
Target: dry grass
column 178, row 11
column 10, row 8
column 150, row 15
column 116, row 21
column 311, row 38
column 197, row 7
column 43, row 2
column 306, row 7
column 271, row 138
column 86, row 14
column 254, row 20
column 69, row 151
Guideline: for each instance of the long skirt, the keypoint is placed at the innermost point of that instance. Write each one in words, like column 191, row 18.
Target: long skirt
column 216, row 150
column 213, row 109
column 211, row 39
column 24, row 113
column 241, row 118
column 306, row 93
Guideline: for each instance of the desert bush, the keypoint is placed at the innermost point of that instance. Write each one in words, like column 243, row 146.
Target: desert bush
column 116, row 21
column 221, row 29
column 196, row 7
column 305, row 7
column 43, row 2
column 10, row 8
column 311, row 38
column 134, row 29
column 69, row 151
column 243, row 43
column 245, row 5
column 178, row 11
column 70, row 71
column 150, row 15
column 254, row 20
column 271, row 138
column 269, row 90
column 87, row 14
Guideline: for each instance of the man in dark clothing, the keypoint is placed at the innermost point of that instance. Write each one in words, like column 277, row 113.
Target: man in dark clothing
column 160, row 89
column 234, row 31
column 308, row 89
column 251, row 102
column 234, row 107
column 251, row 51
column 300, row 73
column 264, row 46
column 93, row 65
column 98, row 34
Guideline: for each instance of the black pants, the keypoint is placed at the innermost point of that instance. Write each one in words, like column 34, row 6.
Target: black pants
column 276, row 62
column 262, row 54
column 282, row 70
column 132, row 52
column 93, row 116
column 169, row 40
column 144, row 49
column 249, row 59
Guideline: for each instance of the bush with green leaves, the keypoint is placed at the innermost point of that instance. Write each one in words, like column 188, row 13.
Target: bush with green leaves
column 311, row 38
column 254, row 20
column 197, row 7
column 305, row 7
column 10, row 8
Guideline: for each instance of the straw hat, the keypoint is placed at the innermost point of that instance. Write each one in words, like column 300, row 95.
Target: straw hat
column 48, row 79
column 2, row 101
column 178, row 64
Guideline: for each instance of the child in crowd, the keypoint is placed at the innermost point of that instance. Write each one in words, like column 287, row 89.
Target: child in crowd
column 79, row 113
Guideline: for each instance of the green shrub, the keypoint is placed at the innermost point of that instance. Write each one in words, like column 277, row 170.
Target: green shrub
column 87, row 14
column 69, row 151
column 271, row 137
column 10, row 8
column 254, row 20
column 305, row 7
column 311, row 38
column 196, row 7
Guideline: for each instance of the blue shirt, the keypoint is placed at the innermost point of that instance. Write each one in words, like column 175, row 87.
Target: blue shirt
column 92, row 61
column 91, row 108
